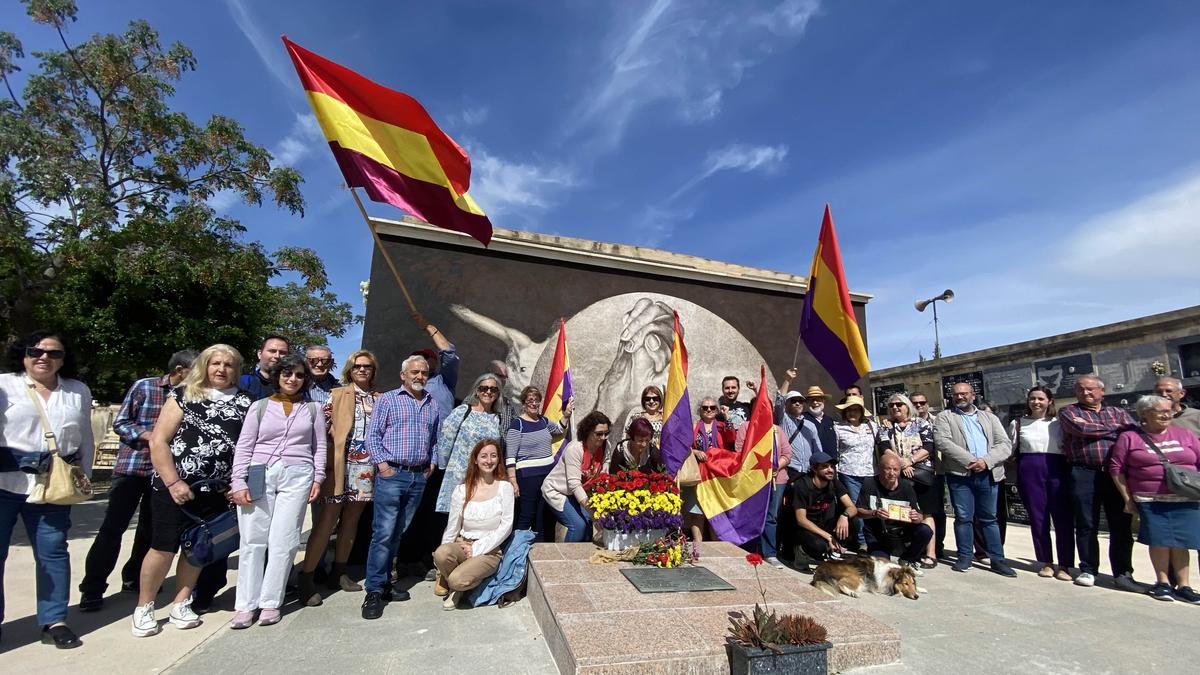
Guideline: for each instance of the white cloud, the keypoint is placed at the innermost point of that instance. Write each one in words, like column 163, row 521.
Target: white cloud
column 468, row 117
column 736, row 157
column 502, row 186
column 269, row 48
column 654, row 225
column 222, row 200
column 685, row 56
column 304, row 136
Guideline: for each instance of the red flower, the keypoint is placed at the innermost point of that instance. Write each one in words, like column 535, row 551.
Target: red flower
column 754, row 559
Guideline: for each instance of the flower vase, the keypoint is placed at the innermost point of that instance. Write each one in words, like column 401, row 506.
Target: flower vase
column 791, row 659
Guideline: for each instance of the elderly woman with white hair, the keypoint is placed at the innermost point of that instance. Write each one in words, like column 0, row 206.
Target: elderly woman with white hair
column 1170, row 523
column 911, row 439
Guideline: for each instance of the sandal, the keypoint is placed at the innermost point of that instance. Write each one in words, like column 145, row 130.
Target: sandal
column 928, row 563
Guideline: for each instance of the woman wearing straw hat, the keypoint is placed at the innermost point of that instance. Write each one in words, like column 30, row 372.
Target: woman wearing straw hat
column 857, row 439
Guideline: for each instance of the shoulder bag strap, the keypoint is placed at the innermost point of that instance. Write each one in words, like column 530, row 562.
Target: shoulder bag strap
column 51, row 440
column 1150, row 444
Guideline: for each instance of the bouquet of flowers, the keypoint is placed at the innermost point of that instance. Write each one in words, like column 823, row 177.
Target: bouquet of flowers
column 665, row 552
column 631, row 501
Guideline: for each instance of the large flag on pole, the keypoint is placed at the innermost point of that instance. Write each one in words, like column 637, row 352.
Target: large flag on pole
column 735, row 487
column 827, row 323
column 675, row 439
column 558, row 388
column 386, row 143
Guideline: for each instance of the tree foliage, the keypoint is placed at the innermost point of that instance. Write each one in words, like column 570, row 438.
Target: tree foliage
column 105, row 230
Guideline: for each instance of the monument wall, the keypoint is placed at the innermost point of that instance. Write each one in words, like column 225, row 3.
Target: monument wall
column 505, row 303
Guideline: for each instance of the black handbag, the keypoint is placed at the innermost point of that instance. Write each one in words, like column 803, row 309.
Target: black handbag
column 1181, row 481
column 210, row 539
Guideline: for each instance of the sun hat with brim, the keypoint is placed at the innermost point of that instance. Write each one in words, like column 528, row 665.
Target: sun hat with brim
column 852, row 401
column 815, row 391
column 793, row 394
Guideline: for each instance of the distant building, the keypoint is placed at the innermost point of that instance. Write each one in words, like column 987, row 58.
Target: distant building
column 1128, row 356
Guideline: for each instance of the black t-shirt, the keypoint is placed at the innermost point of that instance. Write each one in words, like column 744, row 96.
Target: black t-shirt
column 822, row 506
column 904, row 492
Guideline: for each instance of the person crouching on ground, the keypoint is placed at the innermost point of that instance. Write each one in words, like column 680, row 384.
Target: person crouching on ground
column 565, row 487
column 1170, row 524
column 481, row 518
column 888, row 535
column 277, row 469
column 823, row 511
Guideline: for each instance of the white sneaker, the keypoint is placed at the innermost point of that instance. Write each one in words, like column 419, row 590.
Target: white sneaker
column 1085, row 579
column 182, row 616
column 775, row 562
column 144, row 623
column 451, row 601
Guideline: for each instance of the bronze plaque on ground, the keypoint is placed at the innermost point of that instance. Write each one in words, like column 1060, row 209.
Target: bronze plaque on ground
column 675, row 580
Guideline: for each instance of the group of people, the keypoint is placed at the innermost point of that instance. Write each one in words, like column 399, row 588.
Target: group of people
column 449, row 484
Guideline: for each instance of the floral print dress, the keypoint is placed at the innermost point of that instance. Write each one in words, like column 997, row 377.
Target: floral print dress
column 462, row 429
column 360, row 472
column 203, row 444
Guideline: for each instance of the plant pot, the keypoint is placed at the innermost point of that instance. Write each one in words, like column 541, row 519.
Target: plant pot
column 619, row 541
column 792, row 659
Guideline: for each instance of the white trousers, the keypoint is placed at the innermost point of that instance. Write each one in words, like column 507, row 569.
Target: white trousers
column 270, row 536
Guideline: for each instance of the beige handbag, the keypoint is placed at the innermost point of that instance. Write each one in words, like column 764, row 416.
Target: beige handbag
column 689, row 472
column 63, row 484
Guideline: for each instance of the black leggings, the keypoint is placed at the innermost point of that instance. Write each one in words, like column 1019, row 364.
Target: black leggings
column 530, row 505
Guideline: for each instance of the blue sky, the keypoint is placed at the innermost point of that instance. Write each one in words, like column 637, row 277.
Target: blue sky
column 1041, row 159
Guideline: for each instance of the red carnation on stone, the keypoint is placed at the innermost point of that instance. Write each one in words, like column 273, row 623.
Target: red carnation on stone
column 754, row 559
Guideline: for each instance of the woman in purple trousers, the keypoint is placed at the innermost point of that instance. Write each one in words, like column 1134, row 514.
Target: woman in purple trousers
column 1042, row 480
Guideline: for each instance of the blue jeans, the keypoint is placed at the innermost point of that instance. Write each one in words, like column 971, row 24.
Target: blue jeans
column 769, row 543
column 396, row 500
column 47, row 526
column 853, row 485
column 576, row 520
column 974, row 500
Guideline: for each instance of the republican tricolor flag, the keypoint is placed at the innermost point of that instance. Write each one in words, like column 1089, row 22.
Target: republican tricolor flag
column 827, row 323
column 676, row 437
column 735, row 487
column 386, row 143
column 558, row 389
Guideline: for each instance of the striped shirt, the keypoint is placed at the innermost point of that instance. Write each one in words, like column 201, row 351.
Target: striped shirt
column 403, row 429
column 528, row 444
column 1088, row 435
column 138, row 414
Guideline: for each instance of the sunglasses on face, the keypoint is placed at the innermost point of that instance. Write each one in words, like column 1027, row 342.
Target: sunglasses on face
column 601, row 433
column 320, row 362
column 288, row 375
column 920, row 402
column 650, row 399
column 362, row 366
column 488, row 390
column 897, row 404
column 708, row 407
column 38, row 352
column 533, row 401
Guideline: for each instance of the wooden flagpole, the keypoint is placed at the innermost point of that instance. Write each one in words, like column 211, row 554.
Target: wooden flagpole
column 382, row 251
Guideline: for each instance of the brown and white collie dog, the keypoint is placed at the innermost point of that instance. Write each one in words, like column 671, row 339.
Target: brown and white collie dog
column 865, row 575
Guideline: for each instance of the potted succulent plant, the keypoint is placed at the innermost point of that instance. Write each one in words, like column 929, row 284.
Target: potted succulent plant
column 765, row 642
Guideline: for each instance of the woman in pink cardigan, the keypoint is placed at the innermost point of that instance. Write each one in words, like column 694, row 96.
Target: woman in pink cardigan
column 276, row 472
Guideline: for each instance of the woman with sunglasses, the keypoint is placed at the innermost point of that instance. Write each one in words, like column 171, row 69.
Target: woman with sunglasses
column 565, row 488
column 349, row 476
column 529, row 443
column 278, row 468
column 709, row 435
column 37, row 387
column 911, row 439
column 476, row 419
column 652, row 412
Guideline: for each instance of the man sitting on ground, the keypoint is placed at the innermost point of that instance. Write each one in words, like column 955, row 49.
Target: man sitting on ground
column 823, row 511
column 892, row 531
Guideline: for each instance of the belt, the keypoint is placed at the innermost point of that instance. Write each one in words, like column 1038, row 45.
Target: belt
column 415, row 468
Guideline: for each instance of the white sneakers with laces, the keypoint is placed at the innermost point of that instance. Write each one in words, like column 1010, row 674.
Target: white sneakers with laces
column 1085, row 579
column 182, row 616
column 144, row 623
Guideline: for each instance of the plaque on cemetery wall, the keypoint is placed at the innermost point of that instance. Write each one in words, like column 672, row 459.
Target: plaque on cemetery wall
column 882, row 394
column 675, row 580
column 1008, row 385
column 974, row 377
column 1059, row 374
column 1128, row 368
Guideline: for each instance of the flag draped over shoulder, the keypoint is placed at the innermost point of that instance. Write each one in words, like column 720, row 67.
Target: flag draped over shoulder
column 675, row 439
column 827, row 323
column 735, row 487
column 386, row 143
column 558, row 387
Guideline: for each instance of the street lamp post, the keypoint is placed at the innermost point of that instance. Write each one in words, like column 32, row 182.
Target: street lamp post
column 946, row 296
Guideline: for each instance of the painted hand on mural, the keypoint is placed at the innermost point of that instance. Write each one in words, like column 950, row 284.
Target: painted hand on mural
column 643, row 354
column 522, row 352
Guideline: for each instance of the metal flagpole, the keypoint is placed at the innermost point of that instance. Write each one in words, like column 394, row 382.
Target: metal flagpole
column 382, row 251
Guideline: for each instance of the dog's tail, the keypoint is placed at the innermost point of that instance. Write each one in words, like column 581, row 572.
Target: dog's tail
column 826, row 584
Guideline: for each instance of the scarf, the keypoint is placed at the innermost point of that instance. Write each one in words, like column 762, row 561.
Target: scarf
column 287, row 401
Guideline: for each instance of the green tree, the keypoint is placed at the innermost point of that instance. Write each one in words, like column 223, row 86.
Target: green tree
column 105, row 230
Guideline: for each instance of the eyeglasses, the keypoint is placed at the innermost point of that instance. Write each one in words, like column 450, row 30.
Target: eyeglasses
column 38, row 352
column 287, row 375
column 533, row 401
column 488, row 390
column 920, row 402
column 897, row 404
column 650, row 399
column 362, row 366
column 320, row 362
column 600, row 433
column 708, row 407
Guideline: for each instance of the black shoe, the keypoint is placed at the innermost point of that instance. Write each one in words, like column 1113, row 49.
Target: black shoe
column 130, row 587
column 61, row 637
column 372, row 607
column 962, row 565
column 202, row 605
column 386, row 594
column 91, row 602
column 399, row 596
column 1000, row 567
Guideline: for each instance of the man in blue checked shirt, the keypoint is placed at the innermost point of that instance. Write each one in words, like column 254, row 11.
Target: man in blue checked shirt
column 400, row 438
column 130, row 484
